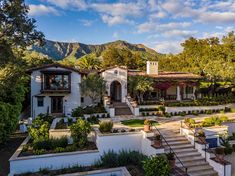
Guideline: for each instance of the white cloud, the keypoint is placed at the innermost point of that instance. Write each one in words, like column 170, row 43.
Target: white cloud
column 38, row 10
column 153, row 26
column 212, row 34
column 78, row 4
column 114, row 20
column 217, row 17
column 180, row 33
column 166, row 47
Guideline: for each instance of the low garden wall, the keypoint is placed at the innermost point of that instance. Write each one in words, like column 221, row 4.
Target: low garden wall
column 118, row 141
column 136, row 141
column 118, row 171
column 210, row 133
column 196, row 108
column 51, row 161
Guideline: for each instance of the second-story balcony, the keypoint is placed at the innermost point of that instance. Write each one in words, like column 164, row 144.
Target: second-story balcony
column 56, row 82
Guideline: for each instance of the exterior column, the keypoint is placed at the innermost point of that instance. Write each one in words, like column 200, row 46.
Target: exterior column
column 194, row 90
column 178, row 98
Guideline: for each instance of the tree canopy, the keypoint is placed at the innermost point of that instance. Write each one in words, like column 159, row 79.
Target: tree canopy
column 17, row 31
column 210, row 56
column 93, row 85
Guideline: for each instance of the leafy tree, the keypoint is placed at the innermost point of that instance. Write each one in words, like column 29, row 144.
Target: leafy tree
column 157, row 165
column 93, row 85
column 80, row 131
column 138, row 85
column 17, row 31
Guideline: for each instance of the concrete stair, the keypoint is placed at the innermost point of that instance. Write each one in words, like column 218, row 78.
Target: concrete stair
column 190, row 157
column 121, row 109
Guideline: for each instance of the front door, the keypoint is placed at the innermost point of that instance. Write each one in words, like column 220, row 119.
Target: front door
column 116, row 91
column 56, row 104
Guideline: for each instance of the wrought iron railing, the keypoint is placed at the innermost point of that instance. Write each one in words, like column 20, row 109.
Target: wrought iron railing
column 171, row 150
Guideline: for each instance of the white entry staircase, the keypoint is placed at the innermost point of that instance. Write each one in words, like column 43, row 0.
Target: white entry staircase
column 190, row 157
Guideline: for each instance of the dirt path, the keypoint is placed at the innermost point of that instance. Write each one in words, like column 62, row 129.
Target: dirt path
column 7, row 150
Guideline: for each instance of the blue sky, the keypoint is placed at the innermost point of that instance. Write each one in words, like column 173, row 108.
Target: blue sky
column 159, row 24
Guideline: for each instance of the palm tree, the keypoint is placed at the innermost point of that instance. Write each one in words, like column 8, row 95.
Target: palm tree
column 89, row 61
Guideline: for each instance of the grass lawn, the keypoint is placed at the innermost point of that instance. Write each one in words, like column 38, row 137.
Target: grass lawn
column 136, row 123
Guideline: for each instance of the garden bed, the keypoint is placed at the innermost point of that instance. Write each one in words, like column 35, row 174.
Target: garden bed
column 136, row 123
column 28, row 150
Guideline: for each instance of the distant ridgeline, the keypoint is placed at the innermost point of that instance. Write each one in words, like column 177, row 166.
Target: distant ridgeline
column 63, row 50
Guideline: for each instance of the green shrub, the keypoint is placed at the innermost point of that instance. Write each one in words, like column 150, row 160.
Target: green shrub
column 105, row 126
column 123, row 158
column 39, row 152
column 109, row 159
column 80, row 131
column 162, row 108
column 93, row 120
column 39, row 130
column 211, row 121
column 59, row 150
column 50, row 143
column 156, row 164
column 224, row 118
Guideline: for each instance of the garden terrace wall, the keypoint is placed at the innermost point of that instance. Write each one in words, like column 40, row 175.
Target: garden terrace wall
column 51, row 161
column 118, row 141
column 136, row 141
column 118, row 171
column 196, row 108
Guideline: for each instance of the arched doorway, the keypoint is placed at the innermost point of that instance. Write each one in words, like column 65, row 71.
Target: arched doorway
column 116, row 91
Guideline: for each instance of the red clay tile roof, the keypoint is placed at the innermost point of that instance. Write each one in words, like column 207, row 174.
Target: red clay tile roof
column 166, row 75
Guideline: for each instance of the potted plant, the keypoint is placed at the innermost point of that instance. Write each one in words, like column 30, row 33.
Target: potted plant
column 201, row 136
column 157, row 140
column 219, row 153
column 147, row 124
column 171, row 158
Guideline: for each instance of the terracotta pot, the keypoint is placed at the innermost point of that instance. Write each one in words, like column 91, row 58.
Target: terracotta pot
column 146, row 128
column 157, row 143
column 220, row 157
column 172, row 163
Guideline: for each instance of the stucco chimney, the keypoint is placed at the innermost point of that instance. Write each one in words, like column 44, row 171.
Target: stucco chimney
column 152, row 67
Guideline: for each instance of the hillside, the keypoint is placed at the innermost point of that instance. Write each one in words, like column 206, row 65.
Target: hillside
column 61, row 50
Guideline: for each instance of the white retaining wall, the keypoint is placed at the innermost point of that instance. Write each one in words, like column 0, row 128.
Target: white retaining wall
column 195, row 108
column 119, row 141
column 133, row 141
column 50, row 161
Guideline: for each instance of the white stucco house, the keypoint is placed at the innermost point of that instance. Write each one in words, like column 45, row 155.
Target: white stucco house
column 55, row 88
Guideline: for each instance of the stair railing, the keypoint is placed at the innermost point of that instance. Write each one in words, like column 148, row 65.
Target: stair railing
column 171, row 150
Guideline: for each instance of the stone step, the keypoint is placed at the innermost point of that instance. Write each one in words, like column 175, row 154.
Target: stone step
column 186, row 150
column 181, row 146
column 191, row 159
column 200, row 167
column 176, row 139
column 209, row 172
column 190, row 154
column 192, row 163
column 171, row 143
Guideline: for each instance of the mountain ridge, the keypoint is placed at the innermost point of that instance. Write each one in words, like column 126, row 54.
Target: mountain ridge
column 62, row 50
